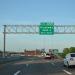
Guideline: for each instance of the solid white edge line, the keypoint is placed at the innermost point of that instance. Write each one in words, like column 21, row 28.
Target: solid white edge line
column 17, row 73
column 69, row 73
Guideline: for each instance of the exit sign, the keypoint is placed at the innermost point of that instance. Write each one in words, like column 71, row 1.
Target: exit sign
column 46, row 28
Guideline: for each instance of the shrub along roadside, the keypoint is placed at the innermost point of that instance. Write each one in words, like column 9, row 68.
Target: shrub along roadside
column 66, row 51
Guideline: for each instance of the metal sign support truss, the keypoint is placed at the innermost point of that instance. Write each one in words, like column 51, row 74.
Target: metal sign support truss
column 34, row 29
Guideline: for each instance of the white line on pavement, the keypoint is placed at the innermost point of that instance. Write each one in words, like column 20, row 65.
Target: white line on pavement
column 27, row 65
column 69, row 73
column 52, row 63
column 17, row 73
column 31, row 61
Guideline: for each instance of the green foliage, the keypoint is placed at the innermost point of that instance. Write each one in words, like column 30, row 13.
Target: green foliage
column 72, row 49
column 61, row 55
column 0, row 51
column 68, row 50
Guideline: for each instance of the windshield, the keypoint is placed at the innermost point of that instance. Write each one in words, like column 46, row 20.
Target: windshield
column 72, row 55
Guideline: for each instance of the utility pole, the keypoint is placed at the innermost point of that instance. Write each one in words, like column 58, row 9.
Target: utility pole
column 4, row 41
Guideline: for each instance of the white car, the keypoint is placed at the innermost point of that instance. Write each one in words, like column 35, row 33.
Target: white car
column 69, row 60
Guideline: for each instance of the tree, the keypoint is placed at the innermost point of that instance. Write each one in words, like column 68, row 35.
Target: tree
column 65, row 51
column 0, row 51
column 72, row 49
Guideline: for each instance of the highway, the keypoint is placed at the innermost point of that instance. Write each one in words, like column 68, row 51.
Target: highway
column 36, row 66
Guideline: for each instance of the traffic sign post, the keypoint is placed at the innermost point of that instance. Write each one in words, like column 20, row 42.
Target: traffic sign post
column 46, row 28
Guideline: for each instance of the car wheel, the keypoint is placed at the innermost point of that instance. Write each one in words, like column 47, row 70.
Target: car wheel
column 67, row 65
column 64, row 65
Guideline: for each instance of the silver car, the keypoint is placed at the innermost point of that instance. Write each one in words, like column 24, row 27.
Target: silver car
column 69, row 59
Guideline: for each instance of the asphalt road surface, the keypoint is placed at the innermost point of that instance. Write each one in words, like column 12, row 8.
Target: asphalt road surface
column 36, row 66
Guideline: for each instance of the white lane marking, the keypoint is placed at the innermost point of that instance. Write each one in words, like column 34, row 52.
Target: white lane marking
column 27, row 65
column 69, row 73
column 47, row 61
column 52, row 63
column 31, row 61
column 17, row 73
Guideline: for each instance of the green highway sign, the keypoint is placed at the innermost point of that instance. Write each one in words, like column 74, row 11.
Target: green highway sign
column 46, row 28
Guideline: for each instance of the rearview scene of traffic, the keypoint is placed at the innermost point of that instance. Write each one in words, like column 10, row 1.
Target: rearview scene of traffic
column 37, row 37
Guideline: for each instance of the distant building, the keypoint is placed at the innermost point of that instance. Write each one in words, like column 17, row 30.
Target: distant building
column 32, row 53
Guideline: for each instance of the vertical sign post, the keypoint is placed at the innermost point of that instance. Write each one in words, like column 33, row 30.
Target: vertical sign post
column 4, row 40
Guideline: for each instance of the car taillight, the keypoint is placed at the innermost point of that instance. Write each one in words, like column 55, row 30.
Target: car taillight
column 71, row 59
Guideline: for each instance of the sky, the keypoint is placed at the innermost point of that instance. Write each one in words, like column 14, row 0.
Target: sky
column 61, row 12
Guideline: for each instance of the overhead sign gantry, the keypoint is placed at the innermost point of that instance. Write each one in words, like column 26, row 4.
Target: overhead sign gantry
column 45, row 28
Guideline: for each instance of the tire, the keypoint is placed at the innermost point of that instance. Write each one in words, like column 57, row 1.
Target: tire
column 64, row 65
column 68, row 66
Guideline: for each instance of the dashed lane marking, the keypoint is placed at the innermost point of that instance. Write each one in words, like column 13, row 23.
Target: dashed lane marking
column 52, row 63
column 17, row 73
column 27, row 65
column 67, row 72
